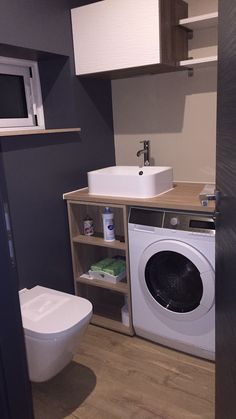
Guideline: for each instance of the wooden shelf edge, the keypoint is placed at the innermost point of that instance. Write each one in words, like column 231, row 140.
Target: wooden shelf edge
column 110, row 324
column 37, row 131
column 121, row 287
column 97, row 241
column 207, row 20
column 93, row 201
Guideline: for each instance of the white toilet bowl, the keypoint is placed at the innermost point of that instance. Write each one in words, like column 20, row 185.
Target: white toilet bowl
column 54, row 323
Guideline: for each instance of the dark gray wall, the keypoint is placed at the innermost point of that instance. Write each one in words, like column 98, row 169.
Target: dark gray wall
column 15, row 391
column 39, row 169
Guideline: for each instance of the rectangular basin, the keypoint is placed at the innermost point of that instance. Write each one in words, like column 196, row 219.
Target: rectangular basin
column 130, row 181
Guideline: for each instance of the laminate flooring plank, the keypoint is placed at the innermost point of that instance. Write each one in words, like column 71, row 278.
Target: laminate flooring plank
column 114, row 376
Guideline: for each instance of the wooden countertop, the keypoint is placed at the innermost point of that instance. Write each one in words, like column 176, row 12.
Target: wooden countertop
column 184, row 196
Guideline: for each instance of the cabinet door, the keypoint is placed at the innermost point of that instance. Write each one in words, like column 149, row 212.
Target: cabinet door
column 116, row 34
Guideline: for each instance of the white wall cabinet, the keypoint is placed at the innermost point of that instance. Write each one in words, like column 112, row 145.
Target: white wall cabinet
column 128, row 37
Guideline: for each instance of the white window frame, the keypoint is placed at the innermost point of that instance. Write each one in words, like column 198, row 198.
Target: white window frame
column 29, row 70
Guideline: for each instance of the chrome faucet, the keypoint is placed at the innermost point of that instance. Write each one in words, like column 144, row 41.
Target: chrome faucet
column 145, row 152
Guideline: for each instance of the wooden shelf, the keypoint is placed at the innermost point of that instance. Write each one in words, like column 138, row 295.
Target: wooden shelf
column 199, row 62
column 107, row 298
column 37, row 131
column 208, row 20
column 98, row 241
column 119, row 287
column 99, row 320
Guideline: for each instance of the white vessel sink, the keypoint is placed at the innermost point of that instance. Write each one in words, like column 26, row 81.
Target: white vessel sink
column 130, row 181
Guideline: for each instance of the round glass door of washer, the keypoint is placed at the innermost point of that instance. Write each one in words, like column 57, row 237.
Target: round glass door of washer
column 177, row 280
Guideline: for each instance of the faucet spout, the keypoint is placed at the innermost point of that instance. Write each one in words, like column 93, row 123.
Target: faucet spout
column 145, row 152
column 140, row 152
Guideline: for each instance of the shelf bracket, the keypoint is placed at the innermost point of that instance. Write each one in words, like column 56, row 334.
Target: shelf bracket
column 190, row 72
column 189, row 32
column 190, row 35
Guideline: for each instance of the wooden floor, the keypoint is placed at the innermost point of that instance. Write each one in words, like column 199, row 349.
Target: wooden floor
column 119, row 377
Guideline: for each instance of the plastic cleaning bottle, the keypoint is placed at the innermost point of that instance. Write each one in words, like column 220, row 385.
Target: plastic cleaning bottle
column 108, row 225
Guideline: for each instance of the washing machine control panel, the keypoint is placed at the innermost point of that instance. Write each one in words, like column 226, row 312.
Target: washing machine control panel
column 189, row 222
column 192, row 222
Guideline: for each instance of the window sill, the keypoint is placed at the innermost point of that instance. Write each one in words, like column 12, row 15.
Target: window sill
column 37, row 131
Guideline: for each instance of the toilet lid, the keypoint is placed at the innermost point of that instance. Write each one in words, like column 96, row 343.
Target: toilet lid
column 48, row 312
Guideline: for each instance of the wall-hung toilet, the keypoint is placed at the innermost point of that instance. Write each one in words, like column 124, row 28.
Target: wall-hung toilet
column 53, row 323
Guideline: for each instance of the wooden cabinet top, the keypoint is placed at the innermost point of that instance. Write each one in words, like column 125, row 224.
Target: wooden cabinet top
column 184, row 196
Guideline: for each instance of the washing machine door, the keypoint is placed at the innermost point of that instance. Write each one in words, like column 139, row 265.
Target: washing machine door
column 177, row 280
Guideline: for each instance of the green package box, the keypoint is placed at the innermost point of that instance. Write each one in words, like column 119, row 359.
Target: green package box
column 109, row 265
column 115, row 268
column 99, row 266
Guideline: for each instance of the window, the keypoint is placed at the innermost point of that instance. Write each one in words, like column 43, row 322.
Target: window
column 20, row 95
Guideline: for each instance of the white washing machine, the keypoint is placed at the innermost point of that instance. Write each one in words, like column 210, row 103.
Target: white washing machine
column 172, row 260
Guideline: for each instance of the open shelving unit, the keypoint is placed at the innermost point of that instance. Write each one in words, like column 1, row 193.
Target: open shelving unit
column 107, row 298
column 196, row 23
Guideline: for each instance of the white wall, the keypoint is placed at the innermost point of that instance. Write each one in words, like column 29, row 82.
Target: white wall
column 198, row 7
column 175, row 112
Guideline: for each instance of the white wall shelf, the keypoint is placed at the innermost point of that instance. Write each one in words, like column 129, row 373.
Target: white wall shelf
column 199, row 62
column 208, row 20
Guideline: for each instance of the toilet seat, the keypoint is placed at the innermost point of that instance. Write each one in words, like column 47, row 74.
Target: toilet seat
column 49, row 314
